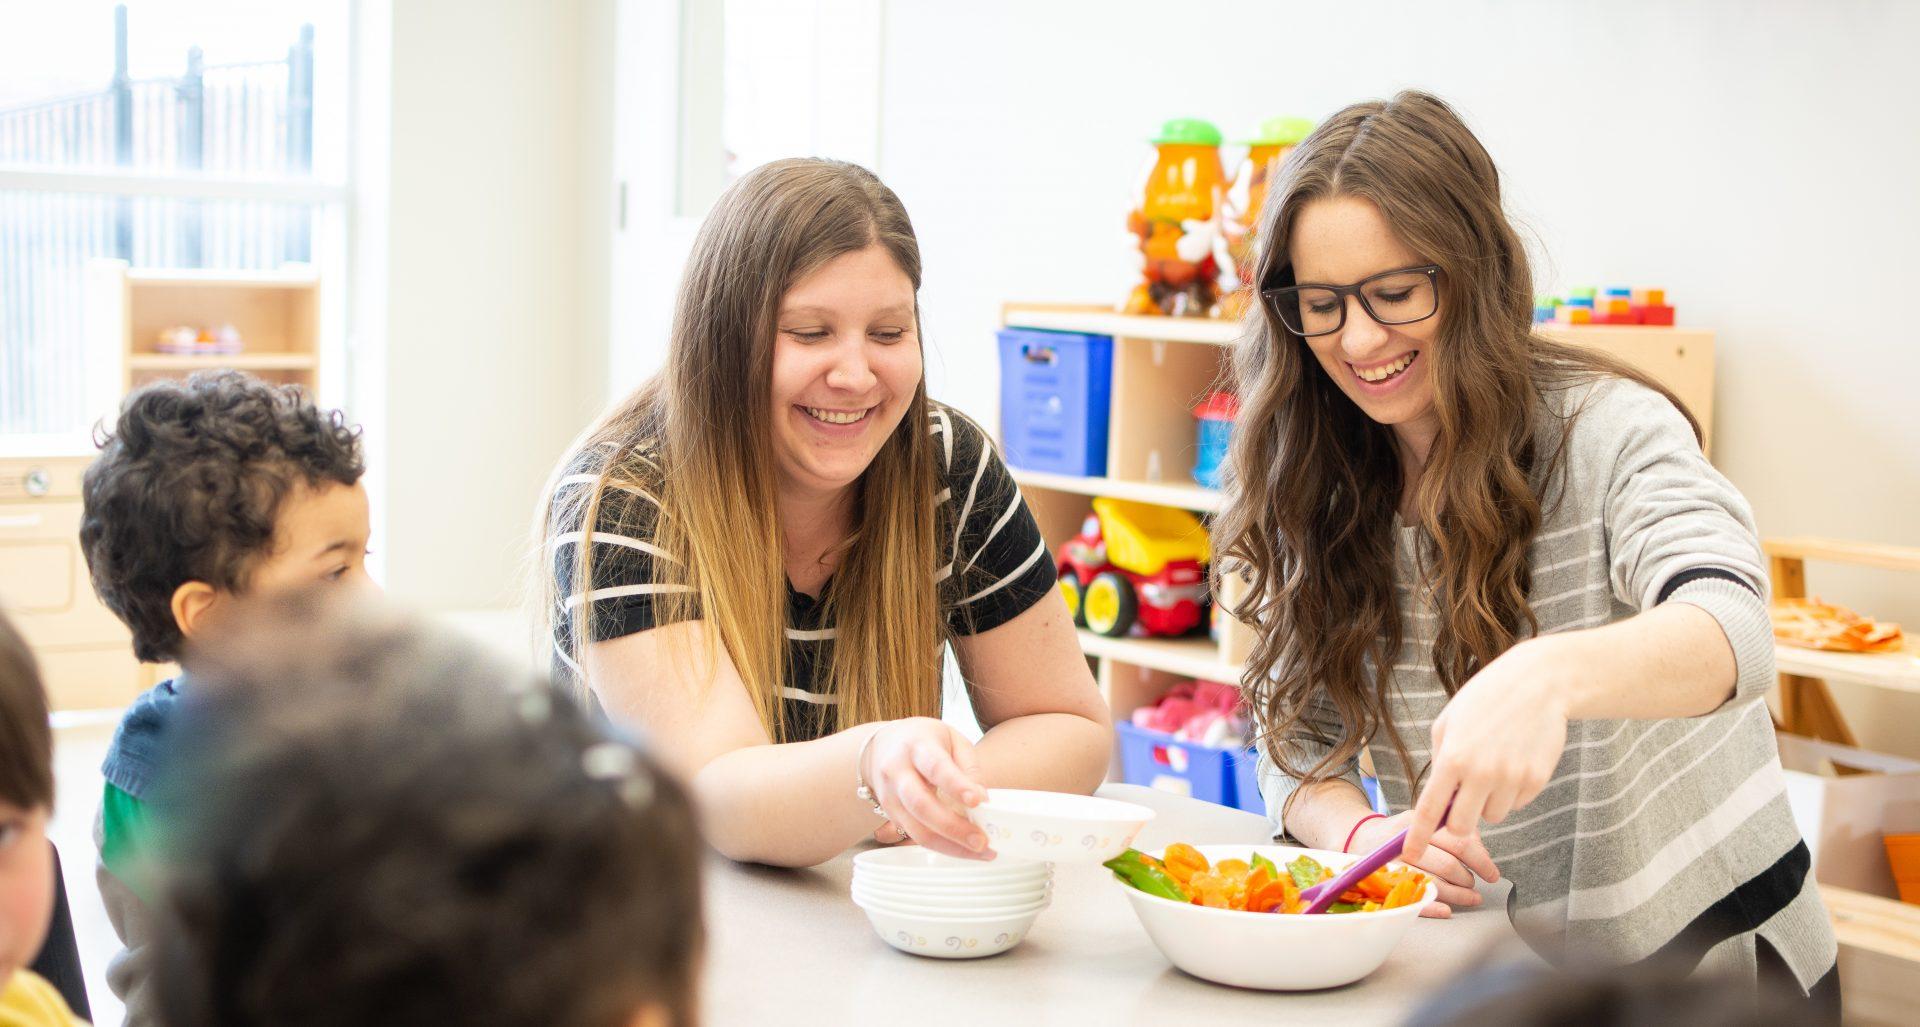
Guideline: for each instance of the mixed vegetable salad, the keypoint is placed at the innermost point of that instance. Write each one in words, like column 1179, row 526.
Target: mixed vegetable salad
column 1257, row 885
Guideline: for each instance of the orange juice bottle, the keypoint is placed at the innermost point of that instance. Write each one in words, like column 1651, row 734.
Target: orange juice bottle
column 1178, row 223
column 1268, row 147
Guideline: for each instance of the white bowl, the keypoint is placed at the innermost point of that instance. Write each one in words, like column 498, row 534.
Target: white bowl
column 867, row 900
column 1059, row 827
column 913, row 863
column 951, row 937
column 949, row 898
column 1273, row 951
column 953, row 885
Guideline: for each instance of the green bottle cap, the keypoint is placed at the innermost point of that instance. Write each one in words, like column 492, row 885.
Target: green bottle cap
column 1282, row 131
column 1188, row 132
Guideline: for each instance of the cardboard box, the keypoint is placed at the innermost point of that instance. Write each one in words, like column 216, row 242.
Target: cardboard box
column 1843, row 815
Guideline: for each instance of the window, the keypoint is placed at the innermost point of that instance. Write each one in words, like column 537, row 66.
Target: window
column 165, row 133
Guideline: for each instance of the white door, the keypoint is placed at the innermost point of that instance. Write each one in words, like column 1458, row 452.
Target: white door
column 706, row 90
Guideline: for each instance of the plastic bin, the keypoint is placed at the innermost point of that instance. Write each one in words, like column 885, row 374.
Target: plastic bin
column 1246, row 783
column 1055, row 400
column 1158, row 760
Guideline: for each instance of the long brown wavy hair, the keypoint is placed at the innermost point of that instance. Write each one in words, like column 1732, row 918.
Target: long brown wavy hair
column 1315, row 482
column 697, row 439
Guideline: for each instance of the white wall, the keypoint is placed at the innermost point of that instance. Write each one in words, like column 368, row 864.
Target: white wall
column 1756, row 159
column 488, row 193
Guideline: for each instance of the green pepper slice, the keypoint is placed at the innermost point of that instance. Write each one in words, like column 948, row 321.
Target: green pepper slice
column 1306, row 871
column 1132, row 867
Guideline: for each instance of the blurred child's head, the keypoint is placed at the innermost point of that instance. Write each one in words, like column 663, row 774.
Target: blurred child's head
column 214, row 487
column 26, row 800
column 382, row 825
column 1659, row 991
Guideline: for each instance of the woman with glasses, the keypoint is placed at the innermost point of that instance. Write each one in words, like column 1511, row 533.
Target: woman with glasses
column 1502, row 568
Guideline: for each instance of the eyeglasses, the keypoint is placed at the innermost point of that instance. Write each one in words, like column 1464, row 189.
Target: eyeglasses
column 1390, row 298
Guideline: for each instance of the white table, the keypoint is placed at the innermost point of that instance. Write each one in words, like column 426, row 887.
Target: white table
column 790, row 947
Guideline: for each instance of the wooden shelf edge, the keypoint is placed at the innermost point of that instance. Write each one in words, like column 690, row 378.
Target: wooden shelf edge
column 1899, row 672
column 1102, row 321
column 1189, row 657
column 1862, row 554
column 300, row 278
column 1874, row 924
column 237, row 361
column 1183, row 497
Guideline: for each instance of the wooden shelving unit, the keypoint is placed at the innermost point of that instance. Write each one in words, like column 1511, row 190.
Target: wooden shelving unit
column 277, row 314
column 1879, row 954
column 1163, row 366
column 1806, row 707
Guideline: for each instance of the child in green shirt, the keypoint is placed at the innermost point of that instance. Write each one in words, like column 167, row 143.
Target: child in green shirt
column 205, row 493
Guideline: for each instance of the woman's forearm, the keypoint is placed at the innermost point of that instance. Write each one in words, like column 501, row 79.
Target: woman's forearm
column 787, row 805
column 1671, row 661
column 1056, row 752
column 1322, row 814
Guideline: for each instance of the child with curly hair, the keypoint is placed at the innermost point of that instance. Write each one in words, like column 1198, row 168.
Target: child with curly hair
column 206, row 492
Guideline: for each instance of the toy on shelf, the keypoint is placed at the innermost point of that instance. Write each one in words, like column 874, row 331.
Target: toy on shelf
column 1248, row 197
column 1207, row 712
column 1135, row 569
column 1616, row 306
column 1178, row 224
column 1216, row 415
column 186, row 340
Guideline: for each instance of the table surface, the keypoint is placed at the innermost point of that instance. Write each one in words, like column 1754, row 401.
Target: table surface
column 790, row 947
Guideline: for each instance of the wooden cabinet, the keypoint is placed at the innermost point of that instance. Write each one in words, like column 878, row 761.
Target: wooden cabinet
column 85, row 653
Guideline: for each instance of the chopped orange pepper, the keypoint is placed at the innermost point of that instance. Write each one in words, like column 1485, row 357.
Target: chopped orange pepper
column 1182, row 861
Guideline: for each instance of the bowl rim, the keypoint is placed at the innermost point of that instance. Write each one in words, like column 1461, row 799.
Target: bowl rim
column 1037, row 887
column 1122, row 811
column 1009, row 911
column 948, row 878
column 1432, row 891
column 877, row 859
column 1029, row 916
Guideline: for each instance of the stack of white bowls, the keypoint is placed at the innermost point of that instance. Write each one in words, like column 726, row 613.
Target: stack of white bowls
column 932, row 905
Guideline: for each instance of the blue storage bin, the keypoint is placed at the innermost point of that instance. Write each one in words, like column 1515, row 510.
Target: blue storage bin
column 1055, row 399
column 1246, row 783
column 1158, row 760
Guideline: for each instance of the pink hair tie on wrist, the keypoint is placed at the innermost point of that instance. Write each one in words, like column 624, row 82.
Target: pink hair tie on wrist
column 1348, row 847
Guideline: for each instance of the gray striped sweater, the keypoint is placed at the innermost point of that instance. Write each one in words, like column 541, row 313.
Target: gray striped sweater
column 1662, row 839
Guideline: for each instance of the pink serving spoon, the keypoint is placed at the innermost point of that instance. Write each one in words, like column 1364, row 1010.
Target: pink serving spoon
column 1325, row 894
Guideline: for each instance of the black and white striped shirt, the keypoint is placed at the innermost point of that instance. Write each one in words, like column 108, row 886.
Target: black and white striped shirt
column 993, row 566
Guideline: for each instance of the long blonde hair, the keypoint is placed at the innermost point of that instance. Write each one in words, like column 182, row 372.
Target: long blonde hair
column 696, row 439
column 1316, row 482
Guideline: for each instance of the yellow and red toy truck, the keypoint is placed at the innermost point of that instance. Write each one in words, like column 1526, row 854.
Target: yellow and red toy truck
column 1136, row 569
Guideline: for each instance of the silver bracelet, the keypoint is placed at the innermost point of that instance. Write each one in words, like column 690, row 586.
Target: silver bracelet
column 864, row 793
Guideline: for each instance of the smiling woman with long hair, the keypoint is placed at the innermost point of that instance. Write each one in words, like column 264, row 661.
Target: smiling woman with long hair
column 787, row 534
column 1502, row 567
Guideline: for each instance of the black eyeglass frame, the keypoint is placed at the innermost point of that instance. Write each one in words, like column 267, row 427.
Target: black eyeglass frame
column 1275, row 295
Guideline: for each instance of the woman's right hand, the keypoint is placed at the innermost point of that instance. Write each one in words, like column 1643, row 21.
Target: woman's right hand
column 1452, row 861
column 924, row 774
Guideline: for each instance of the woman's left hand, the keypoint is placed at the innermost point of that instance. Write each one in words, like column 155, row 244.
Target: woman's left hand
column 1496, row 745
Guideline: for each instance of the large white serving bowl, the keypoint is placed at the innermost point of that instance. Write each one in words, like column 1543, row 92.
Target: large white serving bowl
column 1059, row 827
column 950, row 899
column 950, row 937
column 1273, row 951
column 867, row 900
column 911, row 863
